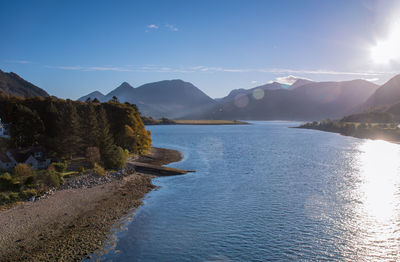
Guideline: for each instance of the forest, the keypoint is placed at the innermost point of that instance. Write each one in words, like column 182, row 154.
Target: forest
column 67, row 128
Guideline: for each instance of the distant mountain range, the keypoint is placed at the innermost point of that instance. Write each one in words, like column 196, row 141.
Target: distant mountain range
column 303, row 100
column 13, row 84
column 169, row 98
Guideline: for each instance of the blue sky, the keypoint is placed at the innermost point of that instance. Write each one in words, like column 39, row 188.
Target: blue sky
column 71, row 48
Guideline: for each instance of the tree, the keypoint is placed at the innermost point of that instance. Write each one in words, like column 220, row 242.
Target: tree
column 128, row 139
column 115, row 99
column 106, row 139
column 90, row 127
column 69, row 139
column 26, row 128
column 93, row 155
column 22, row 171
column 116, row 158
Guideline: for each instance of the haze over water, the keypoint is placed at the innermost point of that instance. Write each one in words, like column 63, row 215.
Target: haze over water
column 268, row 192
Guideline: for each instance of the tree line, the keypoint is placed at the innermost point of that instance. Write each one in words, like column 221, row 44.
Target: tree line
column 66, row 128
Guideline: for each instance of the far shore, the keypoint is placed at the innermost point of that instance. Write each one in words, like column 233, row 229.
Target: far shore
column 371, row 131
column 72, row 223
column 210, row 122
column 196, row 122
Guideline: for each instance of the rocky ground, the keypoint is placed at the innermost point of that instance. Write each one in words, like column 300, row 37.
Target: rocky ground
column 74, row 220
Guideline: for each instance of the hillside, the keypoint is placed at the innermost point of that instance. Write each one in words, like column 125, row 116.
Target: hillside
column 13, row 84
column 386, row 95
column 239, row 92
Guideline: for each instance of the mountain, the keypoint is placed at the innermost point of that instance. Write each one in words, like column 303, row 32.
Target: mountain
column 93, row 95
column 13, row 84
column 122, row 92
column 311, row 101
column 386, row 95
column 239, row 92
column 169, row 98
column 300, row 82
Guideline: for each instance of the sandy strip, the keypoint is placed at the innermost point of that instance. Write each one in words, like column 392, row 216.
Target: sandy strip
column 73, row 223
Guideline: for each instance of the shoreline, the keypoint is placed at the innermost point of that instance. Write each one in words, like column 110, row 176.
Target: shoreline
column 371, row 136
column 75, row 222
column 155, row 122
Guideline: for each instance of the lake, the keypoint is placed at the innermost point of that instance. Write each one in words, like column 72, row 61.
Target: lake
column 268, row 192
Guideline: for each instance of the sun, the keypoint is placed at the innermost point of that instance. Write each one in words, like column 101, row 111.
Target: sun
column 388, row 49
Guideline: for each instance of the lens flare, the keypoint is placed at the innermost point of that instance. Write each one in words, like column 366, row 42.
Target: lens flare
column 241, row 100
column 258, row 94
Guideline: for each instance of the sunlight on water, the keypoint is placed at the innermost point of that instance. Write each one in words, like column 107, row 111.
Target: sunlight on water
column 378, row 192
column 379, row 168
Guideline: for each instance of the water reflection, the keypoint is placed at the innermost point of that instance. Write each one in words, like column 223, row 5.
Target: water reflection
column 376, row 194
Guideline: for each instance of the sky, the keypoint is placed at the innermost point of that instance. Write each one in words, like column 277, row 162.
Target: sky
column 71, row 48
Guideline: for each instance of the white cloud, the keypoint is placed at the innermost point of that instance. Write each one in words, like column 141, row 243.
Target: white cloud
column 90, row 68
column 171, row 27
column 287, row 71
column 288, row 80
column 153, row 26
column 316, row 72
column 368, row 75
column 254, row 82
column 19, row 61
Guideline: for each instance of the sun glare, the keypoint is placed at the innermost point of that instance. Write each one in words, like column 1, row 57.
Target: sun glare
column 388, row 49
column 379, row 175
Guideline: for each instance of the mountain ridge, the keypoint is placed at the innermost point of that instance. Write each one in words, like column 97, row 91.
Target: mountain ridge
column 385, row 95
column 13, row 84
column 166, row 98
column 314, row 100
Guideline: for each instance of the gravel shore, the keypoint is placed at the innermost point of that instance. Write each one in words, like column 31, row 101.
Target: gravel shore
column 75, row 219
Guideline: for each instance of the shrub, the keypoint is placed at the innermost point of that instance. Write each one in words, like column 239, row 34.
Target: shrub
column 59, row 167
column 5, row 177
column 4, row 198
column 22, row 170
column 115, row 159
column 7, row 183
column 26, row 194
column 30, row 181
column 52, row 179
column 81, row 169
column 14, row 196
column 98, row 169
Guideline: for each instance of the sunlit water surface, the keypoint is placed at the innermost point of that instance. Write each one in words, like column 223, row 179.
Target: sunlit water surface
column 268, row 192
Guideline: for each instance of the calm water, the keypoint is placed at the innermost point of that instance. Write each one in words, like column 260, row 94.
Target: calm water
column 268, row 192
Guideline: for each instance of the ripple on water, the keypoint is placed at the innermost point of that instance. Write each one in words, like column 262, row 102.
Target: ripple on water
column 268, row 192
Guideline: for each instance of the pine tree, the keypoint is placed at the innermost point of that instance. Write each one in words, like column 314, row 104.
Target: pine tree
column 91, row 136
column 27, row 128
column 69, row 131
column 105, row 137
